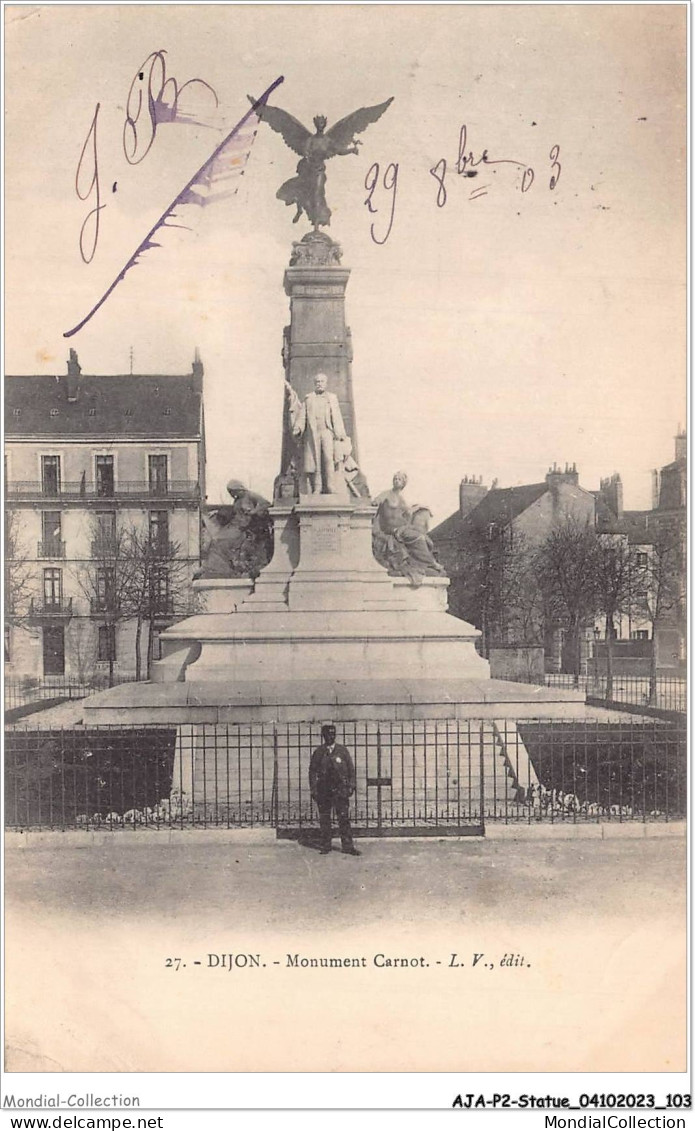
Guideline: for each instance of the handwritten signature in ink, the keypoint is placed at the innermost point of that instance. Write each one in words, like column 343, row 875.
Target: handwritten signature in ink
column 223, row 154
column 467, row 165
column 153, row 99
column 88, row 170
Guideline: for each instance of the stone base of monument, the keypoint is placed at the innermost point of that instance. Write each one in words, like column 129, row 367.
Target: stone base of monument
column 322, row 610
column 220, row 701
column 325, row 632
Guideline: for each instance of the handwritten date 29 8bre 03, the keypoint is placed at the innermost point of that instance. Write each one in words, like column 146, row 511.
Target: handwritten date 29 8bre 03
column 467, row 165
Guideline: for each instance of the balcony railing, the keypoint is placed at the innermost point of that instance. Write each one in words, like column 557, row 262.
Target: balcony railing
column 163, row 548
column 103, row 548
column 101, row 606
column 52, row 548
column 108, row 548
column 162, row 607
column 79, row 489
column 41, row 607
column 157, row 606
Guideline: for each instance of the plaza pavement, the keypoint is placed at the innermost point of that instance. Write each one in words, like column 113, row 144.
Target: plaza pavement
column 600, row 923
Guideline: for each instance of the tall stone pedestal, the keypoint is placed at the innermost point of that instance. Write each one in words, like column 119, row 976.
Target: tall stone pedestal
column 317, row 339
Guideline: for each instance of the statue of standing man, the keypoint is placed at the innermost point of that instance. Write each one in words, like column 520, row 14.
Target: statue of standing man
column 318, row 423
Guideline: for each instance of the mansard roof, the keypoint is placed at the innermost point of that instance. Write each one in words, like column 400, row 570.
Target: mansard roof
column 124, row 406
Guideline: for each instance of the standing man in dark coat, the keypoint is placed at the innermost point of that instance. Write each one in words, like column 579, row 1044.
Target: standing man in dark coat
column 332, row 783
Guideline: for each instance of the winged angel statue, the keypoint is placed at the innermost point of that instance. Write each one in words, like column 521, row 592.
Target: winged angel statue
column 308, row 189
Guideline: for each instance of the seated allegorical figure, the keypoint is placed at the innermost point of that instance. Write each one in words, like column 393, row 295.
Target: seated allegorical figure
column 400, row 538
column 239, row 538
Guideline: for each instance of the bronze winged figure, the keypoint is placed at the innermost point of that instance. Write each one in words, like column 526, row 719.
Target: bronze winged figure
column 307, row 190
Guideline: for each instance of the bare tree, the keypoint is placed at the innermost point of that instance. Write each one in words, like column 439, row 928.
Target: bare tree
column 659, row 589
column 494, row 586
column 466, row 565
column 566, row 569
column 159, row 588
column 106, row 581
column 18, row 574
column 133, row 575
column 615, row 571
column 516, row 598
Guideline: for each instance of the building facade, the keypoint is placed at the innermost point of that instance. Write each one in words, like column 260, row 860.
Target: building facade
column 104, row 478
column 655, row 627
column 668, row 526
column 487, row 544
column 486, row 548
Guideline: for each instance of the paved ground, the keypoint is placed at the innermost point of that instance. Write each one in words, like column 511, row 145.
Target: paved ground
column 600, row 923
column 454, row 881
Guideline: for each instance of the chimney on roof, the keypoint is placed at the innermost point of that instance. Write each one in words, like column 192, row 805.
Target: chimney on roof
column 471, row 491
column 656, row 488
column 72, row 382
column 556, row 475
column 197, row 369
column 611, row 493
column 681, row 444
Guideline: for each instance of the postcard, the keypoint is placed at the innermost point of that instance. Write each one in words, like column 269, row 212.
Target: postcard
column 345, row 486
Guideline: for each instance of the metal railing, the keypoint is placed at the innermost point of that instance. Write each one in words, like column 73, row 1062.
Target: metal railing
column 53, row 548
column 109, row 548
column 27, row 690
column 669, row 693
column 40, row 607
column 156, row 607
column 78, row 489
column 412, row 778
column 101, row 606
column 585, row 770
column 103, row 548
column 427, row 777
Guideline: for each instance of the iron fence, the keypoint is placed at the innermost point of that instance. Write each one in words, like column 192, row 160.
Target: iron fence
column 422, row 777
column 582, row 770
column 668, row 693
column 29, row 690
column 418, row 778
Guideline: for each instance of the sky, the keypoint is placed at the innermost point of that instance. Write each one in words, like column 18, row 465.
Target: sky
column 495, row 330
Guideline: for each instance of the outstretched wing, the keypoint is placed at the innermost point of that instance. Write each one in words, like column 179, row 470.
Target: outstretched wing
column 293, row 132
column 344, row 131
